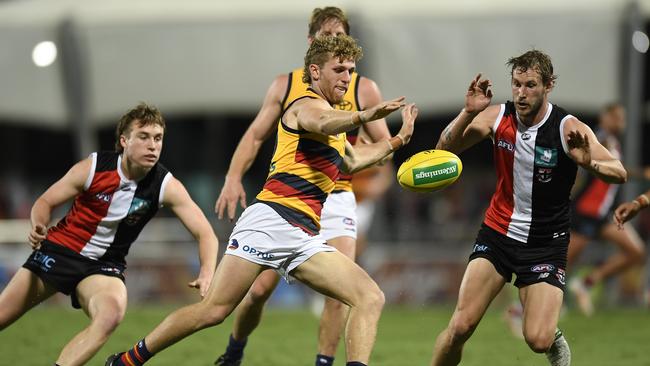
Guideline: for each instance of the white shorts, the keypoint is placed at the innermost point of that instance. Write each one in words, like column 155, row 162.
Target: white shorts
column 339, row 216
column 365, row 213
column 262, row 236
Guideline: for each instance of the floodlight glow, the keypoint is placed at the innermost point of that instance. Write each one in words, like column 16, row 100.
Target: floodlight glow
column 640, row 41
column 44, row 54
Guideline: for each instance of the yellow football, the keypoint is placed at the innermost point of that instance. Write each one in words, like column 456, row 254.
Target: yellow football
column 429, row 171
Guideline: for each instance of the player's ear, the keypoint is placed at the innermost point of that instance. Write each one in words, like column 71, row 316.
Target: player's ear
column 314, row 71
column 549, row 86
column 123, row 139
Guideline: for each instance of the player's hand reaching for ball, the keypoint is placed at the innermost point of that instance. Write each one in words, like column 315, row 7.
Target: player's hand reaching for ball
column 479, row 95
column 409, row 114
column 381, row 110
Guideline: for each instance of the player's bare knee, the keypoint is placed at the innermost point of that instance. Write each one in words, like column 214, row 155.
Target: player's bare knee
column 538, row 341
column 373, row 300
column 5, row 320
column 638, row 254
column 108, row 323
column 334, row 304
column 109, row 317
column 8, row 314
column 461, row 328
column 259, row 293
column 213, row 315
column 461, row 332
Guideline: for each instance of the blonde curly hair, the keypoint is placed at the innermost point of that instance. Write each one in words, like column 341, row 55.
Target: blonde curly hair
column 325, row 47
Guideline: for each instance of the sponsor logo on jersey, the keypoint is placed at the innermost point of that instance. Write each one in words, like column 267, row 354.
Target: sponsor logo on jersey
column 525, row 136
column 233, row 244
column 545, row 157
column 503, row 144
column 105, row 197
column 435, row 173
column 559, row 234
column 544, row 175
column 479, row 248
column 111, row 270
column 344, row 106
column 543, row 268
column 45, row 262
column 139, row 207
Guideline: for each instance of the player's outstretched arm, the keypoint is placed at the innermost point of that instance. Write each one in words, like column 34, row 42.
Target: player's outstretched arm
column 180, row 202
column 260, row 129
column 365, row 155
column 585, row 149
column 473, row 123
column 317, row 116
column 627, row 210
column 66, row 188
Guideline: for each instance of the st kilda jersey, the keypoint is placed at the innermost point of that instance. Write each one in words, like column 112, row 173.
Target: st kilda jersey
column 107, row 217
column 531, row 203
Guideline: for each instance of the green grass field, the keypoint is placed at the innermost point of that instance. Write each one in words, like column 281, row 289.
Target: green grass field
column 288, row 338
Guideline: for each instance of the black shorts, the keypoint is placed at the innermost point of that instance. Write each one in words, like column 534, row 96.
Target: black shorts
column 531, row 263
column 63, row 268
column 587, row 225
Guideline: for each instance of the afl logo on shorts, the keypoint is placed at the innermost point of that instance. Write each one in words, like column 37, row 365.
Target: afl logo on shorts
column 543, row 268
column 233, row 244
column 348, row 221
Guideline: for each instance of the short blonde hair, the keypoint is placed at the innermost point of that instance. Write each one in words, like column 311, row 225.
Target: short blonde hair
column 325, row 47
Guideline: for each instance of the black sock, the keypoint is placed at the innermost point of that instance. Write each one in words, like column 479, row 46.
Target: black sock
column 235, row 348
column 322, row 360
column 355, row 363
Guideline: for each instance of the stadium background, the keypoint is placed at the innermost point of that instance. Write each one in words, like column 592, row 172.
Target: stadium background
column 207, row 65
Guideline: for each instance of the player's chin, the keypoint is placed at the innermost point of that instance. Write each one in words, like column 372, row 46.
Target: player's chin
column 148, row 163
column 337, row 99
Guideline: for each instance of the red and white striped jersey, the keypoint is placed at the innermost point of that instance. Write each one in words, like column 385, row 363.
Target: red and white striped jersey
column 534, row 177
column 596, row 199
column 107, row 217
